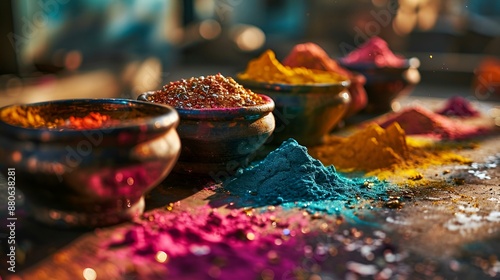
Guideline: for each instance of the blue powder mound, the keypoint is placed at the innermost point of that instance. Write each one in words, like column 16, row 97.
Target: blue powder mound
column 289, row 174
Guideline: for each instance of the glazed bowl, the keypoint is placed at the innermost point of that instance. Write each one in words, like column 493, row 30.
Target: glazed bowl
column 89, row 177
column 217, row 141
column 385, row 84
column 304, row 112
column 359, row 99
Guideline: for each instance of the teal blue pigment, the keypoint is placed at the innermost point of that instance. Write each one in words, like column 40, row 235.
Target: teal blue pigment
column 290, row 177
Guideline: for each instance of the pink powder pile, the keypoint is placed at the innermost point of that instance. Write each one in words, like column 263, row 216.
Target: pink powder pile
column 420, row 121
column 458, row 107
column 375, row 50
column 209, row 244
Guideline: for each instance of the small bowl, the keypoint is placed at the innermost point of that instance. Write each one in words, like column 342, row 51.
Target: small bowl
column 217, row 141
column 359, row 98
column 91, row 177
column 304, row 112
column 386, row 84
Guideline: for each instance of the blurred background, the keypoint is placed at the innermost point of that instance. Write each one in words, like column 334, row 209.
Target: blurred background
column 54, row 49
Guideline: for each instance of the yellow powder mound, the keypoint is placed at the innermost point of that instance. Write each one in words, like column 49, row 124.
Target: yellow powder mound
column 382, row 152
column 369, row 149
column 267, row 68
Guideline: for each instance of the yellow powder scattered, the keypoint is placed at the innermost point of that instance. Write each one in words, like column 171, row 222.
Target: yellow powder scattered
column 383, row 153
column 267, row 68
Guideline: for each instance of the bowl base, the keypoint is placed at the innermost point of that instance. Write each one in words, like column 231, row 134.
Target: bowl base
column 67, row 219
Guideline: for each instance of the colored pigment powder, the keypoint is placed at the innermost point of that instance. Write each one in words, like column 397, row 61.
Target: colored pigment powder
column 312, row 56
column 210, row 244
column 458, row 107
column 29, row 117
column 366, row 150
column 289, row 175
column 268, row 69
column 376, row 51
column 381, row 152
column 91, row 121
column 35, row 117
column 420, row 121
column 215, row 91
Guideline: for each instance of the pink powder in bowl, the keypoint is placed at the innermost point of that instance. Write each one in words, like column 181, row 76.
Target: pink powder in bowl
column 375, row 51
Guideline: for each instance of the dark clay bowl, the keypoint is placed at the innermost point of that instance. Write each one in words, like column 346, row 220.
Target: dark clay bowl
column 216, row 142
column 304, row 112
column 92, row 177
column 386, row 84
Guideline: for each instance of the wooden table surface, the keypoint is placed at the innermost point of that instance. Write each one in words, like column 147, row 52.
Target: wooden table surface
column 447, row 230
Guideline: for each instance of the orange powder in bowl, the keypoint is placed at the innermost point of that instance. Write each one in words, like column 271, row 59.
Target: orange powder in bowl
column 268, row 69
column 312, row 56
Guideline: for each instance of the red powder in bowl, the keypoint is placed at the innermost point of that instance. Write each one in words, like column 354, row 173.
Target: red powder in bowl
column 420, row 121
column 374, row 51
column 458, row 107
column 312, row 56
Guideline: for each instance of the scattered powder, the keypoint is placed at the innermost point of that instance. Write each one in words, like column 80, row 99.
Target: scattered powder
column 211, row 244
column 268, row 69
column 312, row 56
column 375, row 50
column 420, row 121
column 290, row 175
column 382, row 152
column 458, row 107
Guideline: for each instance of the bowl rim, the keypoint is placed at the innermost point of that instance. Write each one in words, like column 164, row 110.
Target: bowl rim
column 247, row 112
column 161, row 122
column 411, row 62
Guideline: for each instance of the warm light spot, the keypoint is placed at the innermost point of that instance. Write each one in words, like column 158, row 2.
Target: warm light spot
column 161, row 257
column 250, row 236
column 249, row 38
column 17, row 156
column 430, row 56
column 210, row 29
column 148, row 75
column 119, row 177
column 130, row 181
column 73, row 60
column 89, row 274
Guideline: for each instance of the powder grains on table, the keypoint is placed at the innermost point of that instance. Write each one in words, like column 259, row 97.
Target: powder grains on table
column 290, row 174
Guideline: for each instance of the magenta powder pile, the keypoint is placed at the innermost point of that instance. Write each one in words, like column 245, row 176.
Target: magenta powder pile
column 458, row 107
column 209, row 244
column 420, row 121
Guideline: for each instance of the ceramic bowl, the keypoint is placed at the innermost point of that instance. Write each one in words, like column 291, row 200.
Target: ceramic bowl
column 385, row 84
column 304, row 112
column 217, row 141
column 91, row 177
